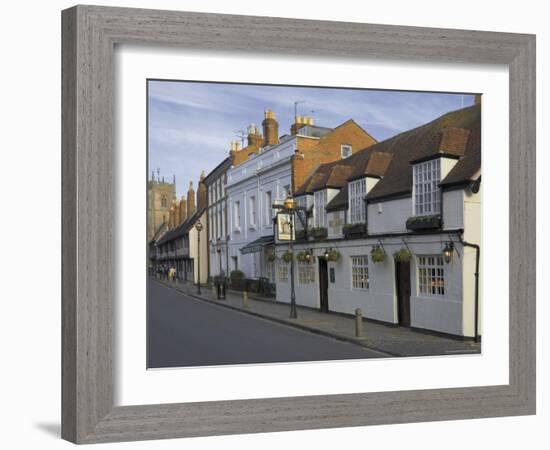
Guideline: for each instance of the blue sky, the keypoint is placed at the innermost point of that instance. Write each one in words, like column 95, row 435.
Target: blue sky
column 191, row 124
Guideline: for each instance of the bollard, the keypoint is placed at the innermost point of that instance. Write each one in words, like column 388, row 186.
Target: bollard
column 358, row 323
column 245, row 299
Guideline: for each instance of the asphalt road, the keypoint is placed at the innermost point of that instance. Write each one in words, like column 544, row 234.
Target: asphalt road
column 183, row 331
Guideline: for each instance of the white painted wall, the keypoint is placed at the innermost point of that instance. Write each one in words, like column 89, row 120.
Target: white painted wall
column 439, row 313
column 379, row 302
column 389, row 216
column 194, row 249
column 453, row 209
column 267, row 172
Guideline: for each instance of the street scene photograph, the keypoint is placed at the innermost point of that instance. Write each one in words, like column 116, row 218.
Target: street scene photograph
column 294, row 223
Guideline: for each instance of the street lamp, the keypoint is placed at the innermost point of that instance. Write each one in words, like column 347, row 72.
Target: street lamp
column 198, row 227
column 289, row 206
column 448, row 252
column 221, row 285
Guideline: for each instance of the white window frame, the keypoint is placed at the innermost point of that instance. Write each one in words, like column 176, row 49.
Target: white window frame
column 237, row 215
column 306, row 272
column 426, row 190
column 430, row 271
column 253, row 206
column 357, row 190
column 360, row 280
column 282, row 269
column 319, row 212
column 344, row 149
column 268, row 195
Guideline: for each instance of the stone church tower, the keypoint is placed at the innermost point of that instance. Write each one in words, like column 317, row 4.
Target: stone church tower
column 160, row 197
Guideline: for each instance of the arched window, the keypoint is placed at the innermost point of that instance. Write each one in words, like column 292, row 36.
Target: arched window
column 163, row 201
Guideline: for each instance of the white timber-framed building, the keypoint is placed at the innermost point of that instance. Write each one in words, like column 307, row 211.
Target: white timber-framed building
column 416, row 200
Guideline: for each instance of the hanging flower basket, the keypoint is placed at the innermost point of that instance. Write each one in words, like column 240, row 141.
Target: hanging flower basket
column 377, row 254
column 333, row 255
column 271, row 257
column 303, row 256
column 402, row 255
column 287, row 256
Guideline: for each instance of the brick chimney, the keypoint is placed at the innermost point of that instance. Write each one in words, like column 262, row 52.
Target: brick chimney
column 254, row 136
column 190, row 200
column 271, row 128
column 299, row 122
column 201, row 193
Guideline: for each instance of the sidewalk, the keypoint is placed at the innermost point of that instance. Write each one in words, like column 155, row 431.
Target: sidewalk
column 388, row 340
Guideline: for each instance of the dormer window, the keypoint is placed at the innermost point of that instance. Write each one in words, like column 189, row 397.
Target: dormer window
column 427, row 193
column 356, row 193
column 319, row 213
column 346, row 150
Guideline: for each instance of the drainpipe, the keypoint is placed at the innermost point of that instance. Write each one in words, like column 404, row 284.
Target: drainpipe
column 366, row 216
column 476, row 275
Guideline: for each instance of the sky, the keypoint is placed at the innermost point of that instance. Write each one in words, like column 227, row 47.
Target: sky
column 191, row 124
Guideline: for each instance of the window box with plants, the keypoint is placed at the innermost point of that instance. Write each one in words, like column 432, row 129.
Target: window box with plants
column 424, row 222
column 300, row 235
column 318, row 232
column 354, row 230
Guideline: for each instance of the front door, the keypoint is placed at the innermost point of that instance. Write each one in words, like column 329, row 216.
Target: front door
column 323, row 284
column 403, row 287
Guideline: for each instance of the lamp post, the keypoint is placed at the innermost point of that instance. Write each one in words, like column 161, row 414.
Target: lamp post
column 221, row 284
column 290, row 208
column 198, row 227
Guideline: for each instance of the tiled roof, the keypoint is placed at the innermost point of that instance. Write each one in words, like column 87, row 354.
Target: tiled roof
column 182, row 229
column 456, row 133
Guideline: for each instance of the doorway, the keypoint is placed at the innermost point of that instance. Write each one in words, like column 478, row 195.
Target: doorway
column 323, row 285
column 403, row 291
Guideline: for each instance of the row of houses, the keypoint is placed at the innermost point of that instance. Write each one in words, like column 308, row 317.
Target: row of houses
column 391, row 227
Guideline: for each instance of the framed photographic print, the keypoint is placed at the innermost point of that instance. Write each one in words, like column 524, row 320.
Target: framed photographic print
column 303, row 217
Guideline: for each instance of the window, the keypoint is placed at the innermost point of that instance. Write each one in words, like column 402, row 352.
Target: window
column 286, row 191
column 431, row 275
column 283, row 272
column 163, row 202
column 346, row 150
column 270, row 271
column 427, row 195
column 237, row 217
column 211, row 222
column 253, row 212
column 357, row 190
column 306, row 273
column 319, row 213
column 360, row 272
column 335, row 222
column 268, row 208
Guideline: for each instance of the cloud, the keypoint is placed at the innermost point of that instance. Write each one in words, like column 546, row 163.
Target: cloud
column 191, row 124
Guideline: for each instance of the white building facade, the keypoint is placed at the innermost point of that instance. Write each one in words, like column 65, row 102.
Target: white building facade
column 418, row 205
column 252, row 189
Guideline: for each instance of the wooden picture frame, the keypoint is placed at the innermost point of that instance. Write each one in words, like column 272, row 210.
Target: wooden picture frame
column 89, row 36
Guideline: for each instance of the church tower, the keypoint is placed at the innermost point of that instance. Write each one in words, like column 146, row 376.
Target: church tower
column 160, row 197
